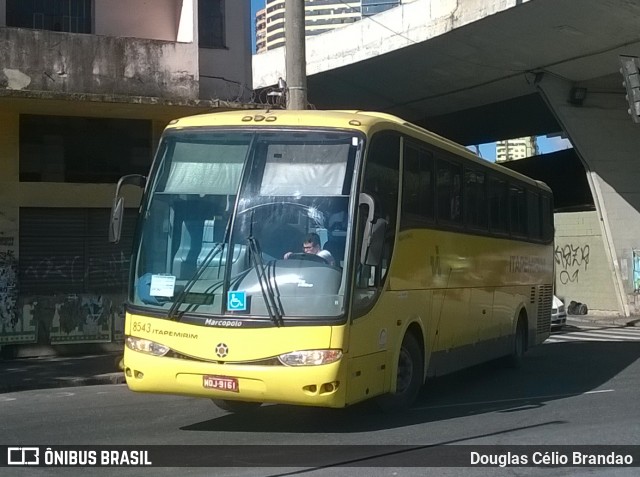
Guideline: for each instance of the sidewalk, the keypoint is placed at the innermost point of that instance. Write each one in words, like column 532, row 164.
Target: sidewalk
column 60, row 371
column 604, row 320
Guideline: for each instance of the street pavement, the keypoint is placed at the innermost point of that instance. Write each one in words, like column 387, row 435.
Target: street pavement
column 60, row 371
column 105, row 367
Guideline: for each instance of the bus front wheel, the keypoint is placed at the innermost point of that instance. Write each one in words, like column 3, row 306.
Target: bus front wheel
column 409, row 380
column 236, row 406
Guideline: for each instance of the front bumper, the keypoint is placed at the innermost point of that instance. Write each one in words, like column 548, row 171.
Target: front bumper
column 300, row 385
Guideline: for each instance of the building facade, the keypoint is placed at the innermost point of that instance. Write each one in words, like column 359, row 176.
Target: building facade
column 513, row 149
column 320, row 16
column 261, row 30
column 86, row 88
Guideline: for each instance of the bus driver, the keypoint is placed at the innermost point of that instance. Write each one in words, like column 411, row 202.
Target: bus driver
column 311, row 244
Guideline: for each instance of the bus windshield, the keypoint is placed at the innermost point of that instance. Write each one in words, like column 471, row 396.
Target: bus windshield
column 248, row 224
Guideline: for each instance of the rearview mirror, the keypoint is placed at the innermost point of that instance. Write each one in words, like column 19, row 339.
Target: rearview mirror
column 115, row 222
column 117, row 209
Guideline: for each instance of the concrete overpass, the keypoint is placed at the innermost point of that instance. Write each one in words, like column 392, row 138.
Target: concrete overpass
column 482, row 70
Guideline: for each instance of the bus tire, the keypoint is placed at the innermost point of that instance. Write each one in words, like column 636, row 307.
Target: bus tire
column 519, row 346
column 409, row 380
column 236, row 406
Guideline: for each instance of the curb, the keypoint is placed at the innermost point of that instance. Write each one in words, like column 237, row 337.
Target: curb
column 98, row 379
column 107, row 378
column 603, row 320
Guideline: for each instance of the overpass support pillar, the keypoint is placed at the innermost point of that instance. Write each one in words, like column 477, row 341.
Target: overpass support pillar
column 608, row 144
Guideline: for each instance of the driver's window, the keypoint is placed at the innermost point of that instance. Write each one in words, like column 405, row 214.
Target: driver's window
column 381, row 176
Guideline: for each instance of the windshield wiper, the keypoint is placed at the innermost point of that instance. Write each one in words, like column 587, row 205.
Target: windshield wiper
column 171, row 314
column 273, row 307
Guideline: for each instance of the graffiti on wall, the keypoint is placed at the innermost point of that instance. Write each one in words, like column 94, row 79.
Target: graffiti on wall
column 10, row 325
column 78, row 318
column 570, row 261
column 108, row 271
column 61, row 318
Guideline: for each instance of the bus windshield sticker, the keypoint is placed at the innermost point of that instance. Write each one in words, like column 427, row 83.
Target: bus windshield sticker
column 162, row 285
column 237, row 301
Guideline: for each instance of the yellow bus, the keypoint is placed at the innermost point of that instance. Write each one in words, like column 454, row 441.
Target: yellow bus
column 432, row 260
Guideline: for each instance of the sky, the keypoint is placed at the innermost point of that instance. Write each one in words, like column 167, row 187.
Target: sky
column 487, row 151
column 255, row 6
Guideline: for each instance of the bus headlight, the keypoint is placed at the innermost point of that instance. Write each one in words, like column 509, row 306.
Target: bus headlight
column 146, row 346
column 312, row 357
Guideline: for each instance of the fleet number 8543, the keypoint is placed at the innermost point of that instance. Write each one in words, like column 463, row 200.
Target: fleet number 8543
column 139, row 326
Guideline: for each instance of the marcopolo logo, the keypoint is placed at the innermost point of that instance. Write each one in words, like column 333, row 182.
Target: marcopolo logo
column 23, row 456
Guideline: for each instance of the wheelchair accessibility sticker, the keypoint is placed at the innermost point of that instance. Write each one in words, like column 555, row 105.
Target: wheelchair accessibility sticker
column 236, row 301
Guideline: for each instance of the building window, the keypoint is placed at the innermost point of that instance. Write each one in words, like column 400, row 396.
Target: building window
column 371, row 7
column 65, row 250
column 211, row 24
column 85, row 150
column 73, row 16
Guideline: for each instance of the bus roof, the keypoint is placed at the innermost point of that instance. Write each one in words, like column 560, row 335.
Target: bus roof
column 365, row 121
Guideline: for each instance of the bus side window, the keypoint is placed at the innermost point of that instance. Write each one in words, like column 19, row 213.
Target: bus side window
column 518, row 211
column 475, row 200
column 498, row 203
column 418, row 204
column 449, row 192
column 546, row 204
column 534, row 216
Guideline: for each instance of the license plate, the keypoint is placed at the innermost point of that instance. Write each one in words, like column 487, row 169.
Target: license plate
column 221, row 383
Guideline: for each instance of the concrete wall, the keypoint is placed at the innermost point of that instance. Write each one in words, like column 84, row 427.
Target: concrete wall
column 583, row 272
column 38, row 60
column 225, row 73
column 140, row 48
column 608, row 143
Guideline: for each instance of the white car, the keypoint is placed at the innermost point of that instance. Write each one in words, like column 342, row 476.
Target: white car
column 558, row 312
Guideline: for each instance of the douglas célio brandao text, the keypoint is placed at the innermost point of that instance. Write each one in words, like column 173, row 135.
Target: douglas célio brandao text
column 574, row 458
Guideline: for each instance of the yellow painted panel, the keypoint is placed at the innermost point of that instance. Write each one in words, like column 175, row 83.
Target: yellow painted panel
column 244, row 344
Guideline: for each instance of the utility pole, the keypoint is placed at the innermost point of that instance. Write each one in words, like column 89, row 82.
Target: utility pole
column 295, row 54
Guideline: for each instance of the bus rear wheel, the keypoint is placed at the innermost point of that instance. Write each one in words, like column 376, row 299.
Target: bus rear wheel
column 236, row 406
column 519, row 346
column 409, row 380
